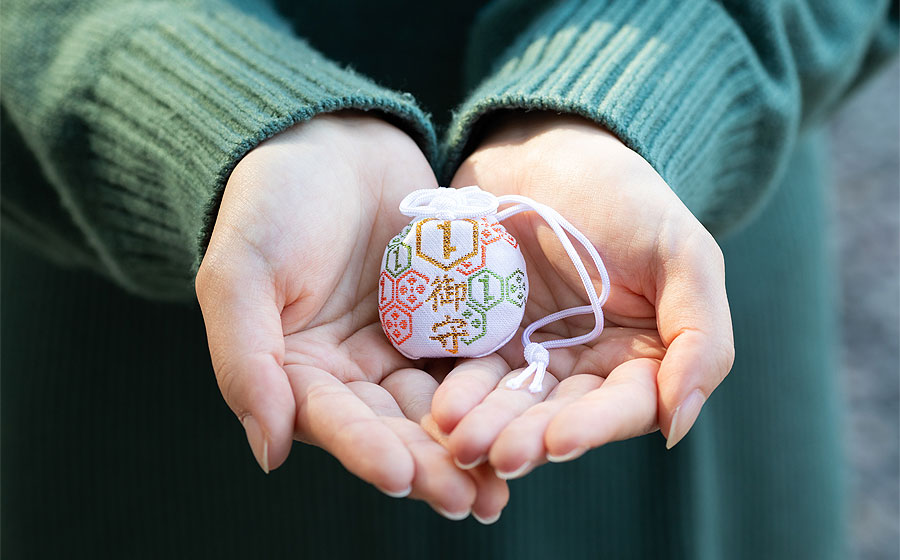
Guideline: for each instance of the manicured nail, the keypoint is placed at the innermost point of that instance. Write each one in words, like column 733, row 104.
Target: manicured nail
column 486, row 520
column 509, row 475
column 400, row 494
column 684, row 417
column 471, row 465
column 258, row 442
column 574, row 454
column 454, row 516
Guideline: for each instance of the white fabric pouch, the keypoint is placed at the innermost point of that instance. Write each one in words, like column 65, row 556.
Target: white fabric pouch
column 454, row 284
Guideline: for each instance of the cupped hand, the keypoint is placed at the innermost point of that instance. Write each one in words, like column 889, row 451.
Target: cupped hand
column 288, row 290
column 668, row 339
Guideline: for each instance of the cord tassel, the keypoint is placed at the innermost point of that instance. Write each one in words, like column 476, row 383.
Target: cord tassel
column 537, row 355
column 538, row 358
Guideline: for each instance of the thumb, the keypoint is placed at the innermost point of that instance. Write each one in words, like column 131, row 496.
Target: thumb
column 246, row 344
column 695, row 325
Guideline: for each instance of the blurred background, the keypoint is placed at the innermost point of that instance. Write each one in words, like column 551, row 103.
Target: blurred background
column 865, row 149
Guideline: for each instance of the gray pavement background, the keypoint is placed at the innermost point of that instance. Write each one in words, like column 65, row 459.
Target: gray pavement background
column 865, row 143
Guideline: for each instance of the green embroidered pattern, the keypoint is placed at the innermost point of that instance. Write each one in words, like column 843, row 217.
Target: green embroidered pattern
column 516, row 290
column 486, row 290
column 398, row 256
column 478, row 321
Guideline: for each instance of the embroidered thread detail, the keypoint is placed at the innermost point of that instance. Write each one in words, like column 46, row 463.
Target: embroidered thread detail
column 447, row 248
column 397, row 323
column 477, row 320
column 386, row 289
column 398, row 258
column 456, row 329
column 516, row 289
column 486, row 290
column 446, row 292
column 410, row 289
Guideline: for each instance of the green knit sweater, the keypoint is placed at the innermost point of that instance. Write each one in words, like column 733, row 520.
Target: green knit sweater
column 122, row 120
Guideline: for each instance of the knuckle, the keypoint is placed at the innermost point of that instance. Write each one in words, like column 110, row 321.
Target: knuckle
column 227, row 376
column 210, row 278
column 201, row 280
column 233, row 375
column 703, row 244
column 716, row 253
column 729, row 357
column 725, row 358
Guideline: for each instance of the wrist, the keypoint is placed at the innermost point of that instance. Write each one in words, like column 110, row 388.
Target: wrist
column 348, row 139
column 515, row 148
column 519, row 127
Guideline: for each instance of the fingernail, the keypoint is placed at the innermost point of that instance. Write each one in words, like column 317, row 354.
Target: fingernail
column 574, row 454
column 684, row 417
column 471, row 465
column 401, row 494
column 258, row 442
column 454, row 516
column 486, row 520
column 508, row 475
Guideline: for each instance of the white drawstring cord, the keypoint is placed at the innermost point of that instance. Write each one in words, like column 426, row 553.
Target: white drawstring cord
column 536, row 354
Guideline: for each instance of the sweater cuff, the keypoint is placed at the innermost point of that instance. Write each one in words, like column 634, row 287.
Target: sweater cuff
column 675, row 81
column 178, row 102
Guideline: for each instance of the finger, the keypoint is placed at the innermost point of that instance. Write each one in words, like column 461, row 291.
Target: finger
column 246, row 344
column 624, row 406
column 492, row 497
column 616, row 345
column 472, row 437
column 492, row 493
column 412, row 390
column 450, row 491
column 465, row 387
column 520, row 446
column 695, row 325
column 331, row 416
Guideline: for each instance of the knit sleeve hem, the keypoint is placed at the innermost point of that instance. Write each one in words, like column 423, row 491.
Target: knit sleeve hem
column 177, row 98
column 675, row 81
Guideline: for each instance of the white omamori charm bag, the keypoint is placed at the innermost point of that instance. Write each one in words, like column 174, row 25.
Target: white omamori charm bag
column 454, row 284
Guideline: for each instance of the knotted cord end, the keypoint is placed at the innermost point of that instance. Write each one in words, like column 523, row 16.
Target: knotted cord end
column 538, row 359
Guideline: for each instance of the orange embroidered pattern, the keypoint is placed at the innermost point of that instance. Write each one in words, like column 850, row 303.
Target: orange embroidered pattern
column 411, row 288
column 397, row 323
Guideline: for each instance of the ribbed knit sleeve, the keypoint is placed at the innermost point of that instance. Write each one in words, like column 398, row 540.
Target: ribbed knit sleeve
column 712, row 94
column 136, row 112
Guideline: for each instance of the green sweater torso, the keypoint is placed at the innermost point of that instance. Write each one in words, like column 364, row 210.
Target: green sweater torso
column 120, row 125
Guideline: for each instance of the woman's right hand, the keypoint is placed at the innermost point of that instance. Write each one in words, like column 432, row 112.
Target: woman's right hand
column 668, row 339
column 288, row 290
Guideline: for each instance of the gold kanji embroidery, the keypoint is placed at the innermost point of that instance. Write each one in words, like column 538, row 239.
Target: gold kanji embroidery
column 446, row 292
column 448, row 248
column 449, row 339
column 442, row 256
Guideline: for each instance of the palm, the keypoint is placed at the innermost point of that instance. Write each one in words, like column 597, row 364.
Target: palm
column 612, row 388
column 290, row 279
column 630, row 328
